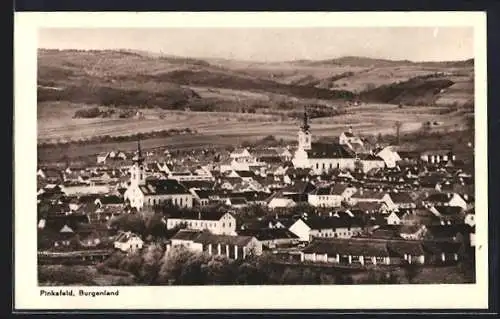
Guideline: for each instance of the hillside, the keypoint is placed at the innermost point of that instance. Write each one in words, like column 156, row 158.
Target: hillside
column 90, row 76
column 247, row 99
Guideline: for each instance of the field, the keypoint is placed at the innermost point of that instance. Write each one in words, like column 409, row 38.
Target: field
column 55, row 122
column 227, row 102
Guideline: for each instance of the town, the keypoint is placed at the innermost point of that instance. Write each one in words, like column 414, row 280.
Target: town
column 348, row 205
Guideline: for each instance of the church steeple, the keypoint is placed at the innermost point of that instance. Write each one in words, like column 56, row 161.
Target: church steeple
column 138, row 158
column 137, row 171
column 305, row 124
column 304, row 137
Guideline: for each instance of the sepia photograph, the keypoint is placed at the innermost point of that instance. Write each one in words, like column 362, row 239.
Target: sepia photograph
column 336, row 155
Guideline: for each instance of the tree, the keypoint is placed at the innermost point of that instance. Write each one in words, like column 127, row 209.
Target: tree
column 129, row 222
column 151, row 262
column 411, row 272
column 155, row 226
column 132, row 263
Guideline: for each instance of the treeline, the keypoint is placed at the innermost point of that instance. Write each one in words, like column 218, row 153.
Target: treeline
column 179, row 266
column 172, row 99
column 230, row 81
column 122, row 138
column 416, row 91
column 93, row 113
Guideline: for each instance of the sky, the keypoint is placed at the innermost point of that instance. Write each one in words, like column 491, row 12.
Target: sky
column 275, row 44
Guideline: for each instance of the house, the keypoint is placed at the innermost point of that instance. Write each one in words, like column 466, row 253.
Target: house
column 272, row 237
column 301, row 229
column 406, row 251
column 445, row 199
column 51, row 175
column 299, row 191
column 128, row 242
column 233, row 247
column 403, row 200
column 157, row 192
column 242, row 155
column 372, row 196
column 236, row 202
column 437, row 156
column 109, row 200
column 394, row 218
column 367, row 162
column 218, row 222
column 331, row 195
column 441, row 252
column 77, row 189
column 333, row 227
column 281, row 202
column 349, row 139
column 389, row 156
column 347, row 251
column 371, row 208
column 413, row 232
column 102, row 157
column 448, row 214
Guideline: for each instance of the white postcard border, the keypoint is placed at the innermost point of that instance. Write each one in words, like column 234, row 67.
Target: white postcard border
column 27, row 292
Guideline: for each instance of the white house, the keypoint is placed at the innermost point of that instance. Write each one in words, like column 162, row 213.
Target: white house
column 372, row 196
column 301, row 229
column 233, row 247
column 351, row 140
column 446, row 199
column 281, row 202
column 330, row 196
column 390, row 156
column 128, row 241
column 217, row 222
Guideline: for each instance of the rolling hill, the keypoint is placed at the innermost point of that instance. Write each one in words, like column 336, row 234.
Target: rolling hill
column 249, row 99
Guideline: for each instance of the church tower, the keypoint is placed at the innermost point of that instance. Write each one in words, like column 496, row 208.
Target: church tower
column 305, row 134
column 300, row 158
column 137, row 171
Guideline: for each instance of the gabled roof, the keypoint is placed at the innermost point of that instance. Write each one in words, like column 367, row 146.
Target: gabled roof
column 212, row 215
column 268, row 233
column 356, row 247
column 300, row 187
column 401, row 197
column 111, row 199
column 401, row 247
column 368, row 194
column 163, row 187
column 439, row 197
column 324, row 150
column 238, row 200
column 208, row 238
column 368, row 206
column 331, row 222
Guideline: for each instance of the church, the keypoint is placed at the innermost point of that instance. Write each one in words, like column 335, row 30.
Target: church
column 149, row 192
column 324, row 157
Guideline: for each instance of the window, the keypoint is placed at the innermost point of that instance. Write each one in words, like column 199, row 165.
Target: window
column 223, row 224
column 317, row 165
column 229, row 224
column 323, row 166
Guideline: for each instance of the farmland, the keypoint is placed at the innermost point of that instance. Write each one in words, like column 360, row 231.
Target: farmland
column 225, row 102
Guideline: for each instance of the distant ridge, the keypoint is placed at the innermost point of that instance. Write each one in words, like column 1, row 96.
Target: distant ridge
column 344, row 60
